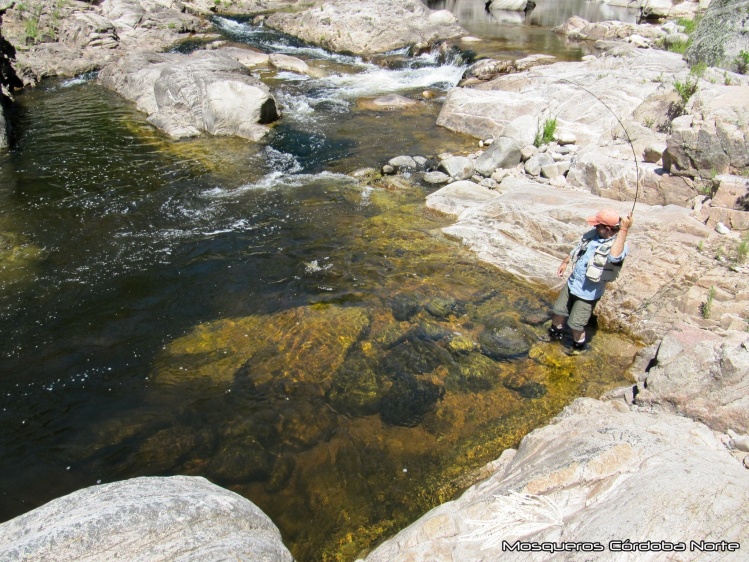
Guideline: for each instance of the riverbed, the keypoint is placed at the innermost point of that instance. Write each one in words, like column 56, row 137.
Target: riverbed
column 255, row 315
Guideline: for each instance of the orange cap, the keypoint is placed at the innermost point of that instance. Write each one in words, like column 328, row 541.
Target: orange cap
column 607, row 217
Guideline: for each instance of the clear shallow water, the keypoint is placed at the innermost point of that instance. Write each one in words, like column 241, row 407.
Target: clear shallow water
column 250, row 314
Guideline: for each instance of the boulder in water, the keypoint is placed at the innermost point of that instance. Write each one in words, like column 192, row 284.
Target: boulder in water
column 369, row 26
column 180, row 517
column 187, row 95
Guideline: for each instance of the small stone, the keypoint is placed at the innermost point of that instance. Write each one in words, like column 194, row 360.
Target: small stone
column 436, row 178
column 488, row 142
column 566, row 138
column 721, row 228
column 428, row 94
column 388, row 169
column 476, row 178
column 490, row 183
column 653, row 153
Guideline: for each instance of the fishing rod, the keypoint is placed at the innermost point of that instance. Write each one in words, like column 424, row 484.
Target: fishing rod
column 626, row 134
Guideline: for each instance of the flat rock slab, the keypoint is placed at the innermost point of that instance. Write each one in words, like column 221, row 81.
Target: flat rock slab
column 369, row 26
column 598, row 473
column 145, row 519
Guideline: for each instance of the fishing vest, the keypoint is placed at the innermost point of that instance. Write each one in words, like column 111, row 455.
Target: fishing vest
column 599, row 269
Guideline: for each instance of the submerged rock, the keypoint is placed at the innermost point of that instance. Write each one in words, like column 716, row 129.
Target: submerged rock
column 298, row 345
column 409, row 400
column 477, row 373
column 524, row 387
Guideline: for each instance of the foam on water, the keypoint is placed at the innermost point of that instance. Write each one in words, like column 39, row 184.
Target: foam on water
column 379, row 81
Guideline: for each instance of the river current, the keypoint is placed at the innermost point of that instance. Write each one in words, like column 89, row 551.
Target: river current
column 252, row 314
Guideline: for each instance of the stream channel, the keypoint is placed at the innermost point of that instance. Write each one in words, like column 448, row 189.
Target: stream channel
column 252, row 314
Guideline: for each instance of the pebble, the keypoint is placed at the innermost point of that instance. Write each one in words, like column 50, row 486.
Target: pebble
column 721, row 228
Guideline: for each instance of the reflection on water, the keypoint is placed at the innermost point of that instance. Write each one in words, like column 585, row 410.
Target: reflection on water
column 250, row 314
column 509, row 34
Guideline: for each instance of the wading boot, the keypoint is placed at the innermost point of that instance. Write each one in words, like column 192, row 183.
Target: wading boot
column 577, row 348
column 555, row 334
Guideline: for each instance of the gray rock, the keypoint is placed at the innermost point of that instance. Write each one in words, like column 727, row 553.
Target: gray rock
column 730, row 190
column 286, row 62
column 653, row 153
column 716, row 139
column 436, row 178
column 535, row 163
column 528, row 152
column 403, row 162
column 503, row 153
column 721, row 35
column 555, row 170
column 459, row 167
column 177, row 518
column 368, row 26
column 699, row 374
column 522, row 129
column 187, row 95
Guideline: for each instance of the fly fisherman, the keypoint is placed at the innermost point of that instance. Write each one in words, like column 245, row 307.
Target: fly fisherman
column 596, row 260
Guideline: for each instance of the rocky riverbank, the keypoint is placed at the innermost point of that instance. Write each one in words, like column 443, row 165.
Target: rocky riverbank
column 658, row 460
column 661, row 460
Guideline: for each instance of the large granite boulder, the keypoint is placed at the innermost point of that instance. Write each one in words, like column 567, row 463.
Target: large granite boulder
column 567, row 91
column 714, row 137
column 721, row 36
column 368, row 27
column 699, row 374
column 187, row 95
column 597, row 474
column 145, row 519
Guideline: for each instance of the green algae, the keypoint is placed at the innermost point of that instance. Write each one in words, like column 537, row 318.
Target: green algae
column 363, row 416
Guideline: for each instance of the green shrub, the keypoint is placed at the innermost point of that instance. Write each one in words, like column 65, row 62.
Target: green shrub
column 742, row 251
column 707, row 306
column 545, row 134
column 685, row 89
column 742, row 61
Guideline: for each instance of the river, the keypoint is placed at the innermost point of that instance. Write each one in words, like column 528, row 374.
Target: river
column 254, row 315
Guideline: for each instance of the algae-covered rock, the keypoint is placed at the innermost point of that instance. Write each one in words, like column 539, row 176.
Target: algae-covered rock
column 356, row 388
column 443, row 307
column 241, row 459
column 477, row 373
column 409, row 400
column 305, row 344
column 503, row 343
column 524, row 387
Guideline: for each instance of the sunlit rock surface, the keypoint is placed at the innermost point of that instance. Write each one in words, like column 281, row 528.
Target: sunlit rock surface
column 145, row 519
column 187, row 95
column 597, row 473
column 369, row 27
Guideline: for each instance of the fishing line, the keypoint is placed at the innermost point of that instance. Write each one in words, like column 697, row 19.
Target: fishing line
column 626, row 134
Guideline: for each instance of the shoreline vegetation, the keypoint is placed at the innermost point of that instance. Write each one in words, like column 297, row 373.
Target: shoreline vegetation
column 662, row 459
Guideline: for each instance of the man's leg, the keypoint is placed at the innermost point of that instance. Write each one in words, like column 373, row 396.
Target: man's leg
column 560, row 313
column 579, row 317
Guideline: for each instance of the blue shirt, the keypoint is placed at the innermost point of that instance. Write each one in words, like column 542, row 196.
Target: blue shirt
column 579, row 284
